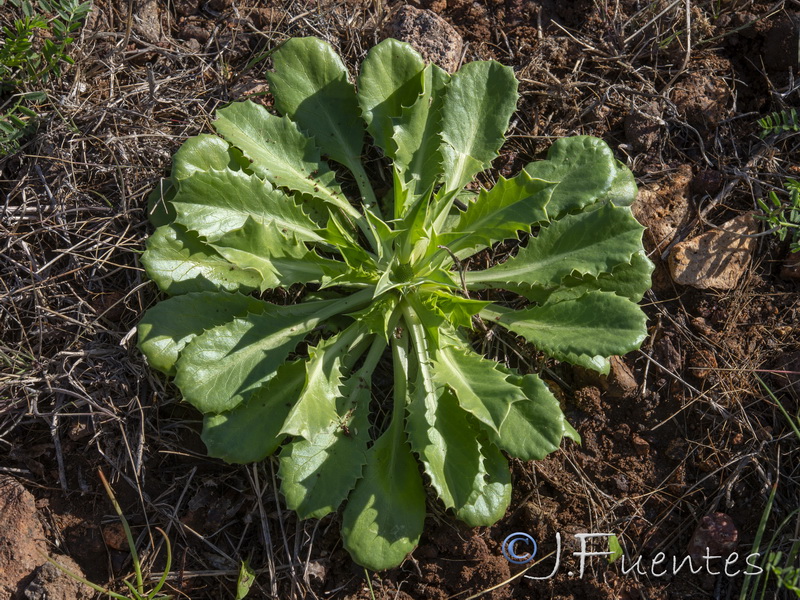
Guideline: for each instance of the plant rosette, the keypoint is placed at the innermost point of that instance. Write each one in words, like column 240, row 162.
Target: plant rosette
column 259, row 206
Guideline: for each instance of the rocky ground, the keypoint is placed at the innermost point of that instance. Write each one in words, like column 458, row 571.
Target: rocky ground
column 683, row 447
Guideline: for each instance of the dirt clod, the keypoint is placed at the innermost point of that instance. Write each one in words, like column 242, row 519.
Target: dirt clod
column 641, row 445
column 22, row 540
column 703, row 362
column 643, row 127
column 664, row 208
column 146, row 19
column 716, row 259
column 708, row 181
column 703, row 99
column 433, row 37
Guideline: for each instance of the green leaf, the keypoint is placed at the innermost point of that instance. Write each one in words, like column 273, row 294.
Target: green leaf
column 353, row 254
column 629, row 280
column 455, row 309
column 390, row 80
column 535, row 425
column 180, row 263
column 418, row 161
column 318, row 473
column 215, row 203
column 481, row 389
column 251, row 431
column 310, row 85
column 453, row 455
column 623, row 188
column 583, row 169
column 582, row 331
column 166, row 328
column 378, row 315
column 512, row 205
column 489, row 505
column 519, row 414
column 473, row 124
column 204, row 153
column 588, row 243
column 247, row 577
column 279, row 258
column 315, row 410
column 221, row 368
column 385, row 513
column 615, row 549
column 280, row 153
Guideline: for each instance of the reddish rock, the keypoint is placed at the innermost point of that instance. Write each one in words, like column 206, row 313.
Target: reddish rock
column 641, row 445
column 715, row 532
column 716, row 259
column 22, row 541
column 430, row 35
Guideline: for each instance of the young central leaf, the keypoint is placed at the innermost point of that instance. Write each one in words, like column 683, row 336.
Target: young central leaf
column 290, row 299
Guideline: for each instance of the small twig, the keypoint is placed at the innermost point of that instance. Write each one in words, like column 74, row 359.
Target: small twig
column 688, row 46
column 62, row 473
column 459, row 267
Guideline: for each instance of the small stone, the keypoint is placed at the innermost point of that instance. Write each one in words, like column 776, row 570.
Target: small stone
column 317, row 570
column 622, row 382
column 703, row 327
column 715, row 534
column 641, row 445
column 265, row 18
column 191, row 31
column 667, row 355
column 716, row 259
column 622, row 432
column 147, row 21
column 114, row 536
column 430, row 35
column 50, row 583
